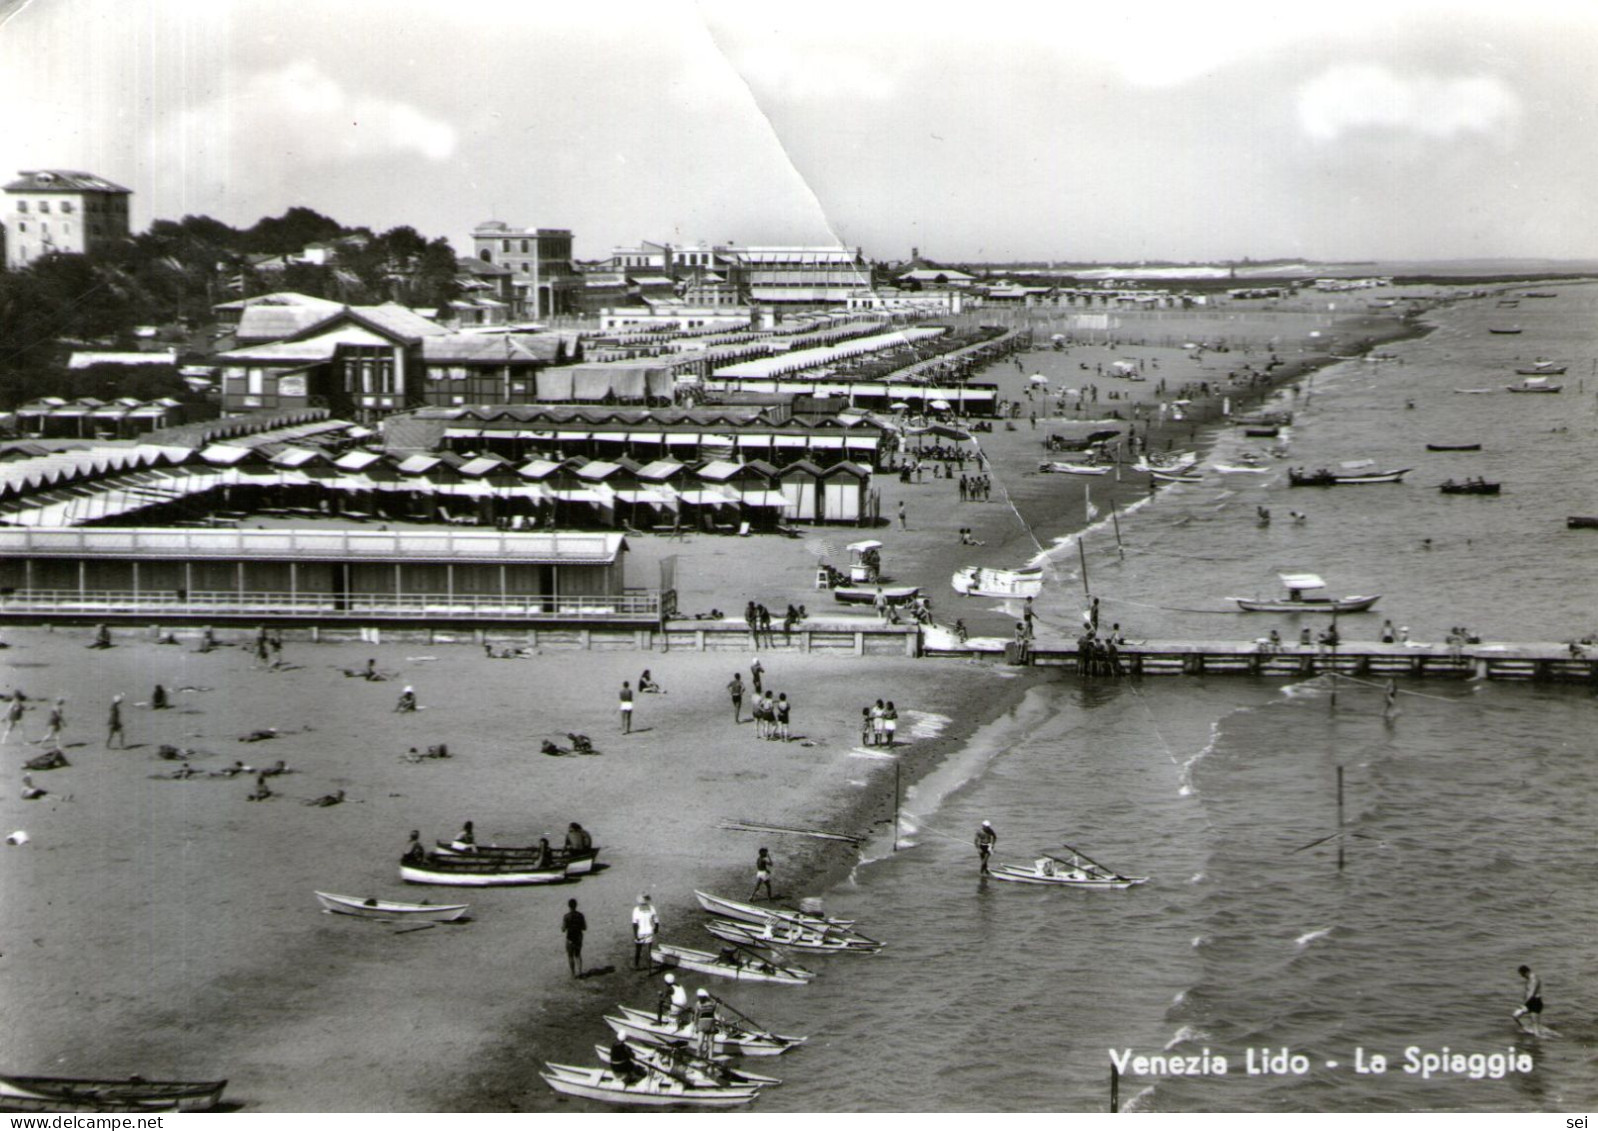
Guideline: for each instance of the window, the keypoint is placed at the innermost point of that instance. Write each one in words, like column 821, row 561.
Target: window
column 22, row 206
column 524, row 247
column 66, row 206
column 22, row 225
column 44, row 206
column 504, row 245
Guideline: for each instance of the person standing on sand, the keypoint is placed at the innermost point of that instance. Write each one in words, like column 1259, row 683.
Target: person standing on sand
column 890, row 723
column 57, row 723
column 646, row 923
column 736, row 690
column 573, row 925
column 904, row 521
column 986, row 838
column 13, row 714
column 782, row 708
column 114, row 723
column 626, row 706
column 762, row 874
column 755, row 672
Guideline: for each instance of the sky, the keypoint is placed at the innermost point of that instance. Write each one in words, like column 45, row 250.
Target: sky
column 1411, row 129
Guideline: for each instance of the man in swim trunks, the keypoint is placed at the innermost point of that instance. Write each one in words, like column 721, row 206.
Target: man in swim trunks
column 646, row 922
column 1532, row 1004
column 986, row 838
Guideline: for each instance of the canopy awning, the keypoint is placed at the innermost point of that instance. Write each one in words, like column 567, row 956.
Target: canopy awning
column 1297, row 581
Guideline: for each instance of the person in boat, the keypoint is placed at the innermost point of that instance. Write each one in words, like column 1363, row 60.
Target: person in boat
column 577, row 839
column 465, row 840
column 763, row 874
column 985, row 839
column 545, row 859
column 1531, row 1003
column 646, row 924
column 705, row 1022
column 647, row 684
column 1388, row 636
column 623, row 1065
column 573, row 925
column 672, row 1005
column 415, row 850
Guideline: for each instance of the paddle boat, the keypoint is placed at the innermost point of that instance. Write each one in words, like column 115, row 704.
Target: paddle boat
column 655, row 1089
column 1533, row 385
column 1007, row 584
column 465, row 872
column 789, row 936
column 1080, row 871
column 733, row 1038
column 68, row 1095
column 738, row 962
column 754, row 913
column 675, row 1058
column 389, row 911
column 1300, row 586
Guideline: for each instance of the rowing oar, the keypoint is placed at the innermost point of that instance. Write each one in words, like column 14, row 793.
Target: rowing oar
column 418, row 927
column 756, row 1028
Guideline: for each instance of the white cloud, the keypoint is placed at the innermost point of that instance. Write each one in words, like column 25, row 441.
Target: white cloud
column 1363, row 97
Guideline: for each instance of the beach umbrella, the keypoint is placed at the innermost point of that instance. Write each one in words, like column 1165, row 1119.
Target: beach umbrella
column 1038, row 379
column 900, row 406
column 940, row 405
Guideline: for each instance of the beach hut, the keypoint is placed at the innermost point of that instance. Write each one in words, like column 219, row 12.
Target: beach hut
column 843, row 492
column 799, row 484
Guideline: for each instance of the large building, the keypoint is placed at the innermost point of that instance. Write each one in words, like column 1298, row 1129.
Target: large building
column 51, row 211
column 540, row 262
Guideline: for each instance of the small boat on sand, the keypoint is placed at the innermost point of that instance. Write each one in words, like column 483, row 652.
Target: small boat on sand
column 867, row 594
column 1167, row 464
column 465, row 872
column 733, row 1038
column 575, row 863
column 1008, row 584
column 1453, row 447
column 738, row 962
column 755, row 913
column 1503, row 329
column 1058, row 468
column 823, row 940
column 1168, row 477
column 67, row 1095
column 1300, row 586
column 1534, row 385
column 1079, row 871
column 388, row 910
column 655, row 1089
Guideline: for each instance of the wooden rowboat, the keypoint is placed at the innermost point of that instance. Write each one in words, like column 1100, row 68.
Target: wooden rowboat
column 1453, row 447
column 1335, row 479
column 62, row 1094
column 732, row 1037
column 575, row 863
column 389, row 910
column 822, row 940
column 656, row 1089
column 738, row 962
column 1080, row 871
column 754, row 913
column 451, row 871
column 1582, row 522
column 676, row 1058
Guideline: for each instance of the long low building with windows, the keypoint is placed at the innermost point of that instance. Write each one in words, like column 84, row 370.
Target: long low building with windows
column 332, row 575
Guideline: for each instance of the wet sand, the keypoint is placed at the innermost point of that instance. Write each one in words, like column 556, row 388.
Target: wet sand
column 168, row 927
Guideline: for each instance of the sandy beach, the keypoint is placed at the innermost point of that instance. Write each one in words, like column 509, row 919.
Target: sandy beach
column 168, row 927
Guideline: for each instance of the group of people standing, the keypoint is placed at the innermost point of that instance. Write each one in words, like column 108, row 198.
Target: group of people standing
column 879, row 723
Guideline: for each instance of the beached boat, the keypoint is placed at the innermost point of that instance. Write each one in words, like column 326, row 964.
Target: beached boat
column 655, row 1089
column 824, row 940
column 1058, row 468
column 1077, row 871
column 575, row 863
column 677, row 1058
column 941, row 638
column 1541, row 369
column 733, row 1038
column 1240, row 469
column 1453, row 447
column 1469, row 487
column 1325, row 478
column 1503, row 329
column 1582, row 522
column 1168, row 464
column 466, row 872
column 1167, row 477
column 1010, row 584
column 387, row 909
column 1261, row 430
column 754, row 913
column 867, row 595
column 1534, row 385
column 1299, row 599
column 740, row 963
column 67, row 1095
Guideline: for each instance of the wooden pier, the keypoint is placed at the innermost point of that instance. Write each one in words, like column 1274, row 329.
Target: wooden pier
column 1371, row 659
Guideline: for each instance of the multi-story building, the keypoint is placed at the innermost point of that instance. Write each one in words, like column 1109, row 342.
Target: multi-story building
column 540, row 262
column 804, row 276
column 50, row 211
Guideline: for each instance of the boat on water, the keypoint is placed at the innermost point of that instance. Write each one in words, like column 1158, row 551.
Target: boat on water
column 1453, row 447
column 1166, row 465
column 1168, row 477
column 1078, row 871
column 467, row 872
column 575, row 863
column 1010, row 584
column 867, row 594
column 1473, row 392
column 655, row 1089
column 1503, row 329
column 1469, row 487
column 941, row 638
column 1261, row 430
column 1533, row 385
column 1582, row 522
column 738, row 962
column 1541, row 294
column 389, row 911
column 65, row 1095
column 1301, row 598
column 1541, row 368
column 677, row 1059
column 789, row 936
column 1326, row 478
column 733, row 1038
column 1056, row 467
column 754, row 913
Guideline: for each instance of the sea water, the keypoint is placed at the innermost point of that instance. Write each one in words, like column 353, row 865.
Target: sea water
column 1466, row 848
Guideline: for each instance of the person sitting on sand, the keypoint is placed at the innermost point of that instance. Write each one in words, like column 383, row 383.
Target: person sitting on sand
column 407, row 701
column 158, row 699
column 102, row 637
column 262, row 792
column 647, row 683
column 371, row 672
column 281, row 767
column 31, row 792
column 551, row 749
column 581, row 744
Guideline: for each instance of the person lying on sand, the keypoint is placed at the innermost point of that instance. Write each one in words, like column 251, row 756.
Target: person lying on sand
column 31, row 792
column 259, row 735
column 552, row 750
column 261, row 791
column 326, row 800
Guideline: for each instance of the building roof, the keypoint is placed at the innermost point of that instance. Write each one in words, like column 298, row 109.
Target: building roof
column 62, row 180
column 82, row 359
column 492, row 349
